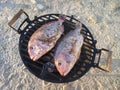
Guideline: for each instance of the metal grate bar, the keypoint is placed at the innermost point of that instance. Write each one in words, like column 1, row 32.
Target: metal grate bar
column 25, row 40
column 26, row 56
column 24, row 50
column 27, row 37
column 31, row 63
column 88, row 45
column 24, row 45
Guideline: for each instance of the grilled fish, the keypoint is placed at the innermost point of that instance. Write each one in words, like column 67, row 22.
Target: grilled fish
column 68, row 51
column 45, row 38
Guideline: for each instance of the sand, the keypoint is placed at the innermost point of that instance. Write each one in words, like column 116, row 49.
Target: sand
column 102, row 17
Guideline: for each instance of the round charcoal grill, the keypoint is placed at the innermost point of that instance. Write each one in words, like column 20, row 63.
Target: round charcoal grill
column 44, row 68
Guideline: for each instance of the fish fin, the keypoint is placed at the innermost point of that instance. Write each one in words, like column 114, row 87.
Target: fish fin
column 50, row 39
column 73, row 46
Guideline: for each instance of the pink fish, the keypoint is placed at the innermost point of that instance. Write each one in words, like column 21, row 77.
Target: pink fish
column 68, row 51
column 45, row 38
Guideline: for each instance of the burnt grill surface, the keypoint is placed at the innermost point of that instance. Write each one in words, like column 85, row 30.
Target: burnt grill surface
column 44, row 68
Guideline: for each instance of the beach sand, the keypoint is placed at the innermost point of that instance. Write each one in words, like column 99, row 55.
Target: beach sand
column 102, row 17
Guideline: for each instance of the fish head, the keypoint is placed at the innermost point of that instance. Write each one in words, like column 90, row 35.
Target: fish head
column 34, row 50
column 62, row 64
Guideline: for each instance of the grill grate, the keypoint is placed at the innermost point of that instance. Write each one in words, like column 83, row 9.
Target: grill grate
column 44, row 68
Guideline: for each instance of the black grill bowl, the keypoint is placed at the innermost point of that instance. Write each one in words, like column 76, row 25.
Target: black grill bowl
column 41, row 68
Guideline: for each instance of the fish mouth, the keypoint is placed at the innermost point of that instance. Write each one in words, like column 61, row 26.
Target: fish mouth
column 33, row 58
column 63, row 73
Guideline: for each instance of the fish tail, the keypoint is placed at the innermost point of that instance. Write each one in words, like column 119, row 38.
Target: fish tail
column 62, row 17
column 79, row 26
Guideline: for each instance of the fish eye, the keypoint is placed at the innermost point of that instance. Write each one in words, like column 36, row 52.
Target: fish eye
column 31, row 47
column 59, row 64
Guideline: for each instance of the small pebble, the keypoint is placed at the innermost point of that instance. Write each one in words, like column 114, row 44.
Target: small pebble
column 40, row 6
column 116, row 35
column 9, row 17
column 33, row 1
column 91, row 20
column 35, row 9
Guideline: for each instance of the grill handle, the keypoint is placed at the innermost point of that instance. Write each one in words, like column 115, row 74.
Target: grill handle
column 109, row 59
column 14, row 19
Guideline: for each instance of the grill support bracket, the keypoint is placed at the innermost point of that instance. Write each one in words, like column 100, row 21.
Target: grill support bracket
column 14, row 19
column 108, row 62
